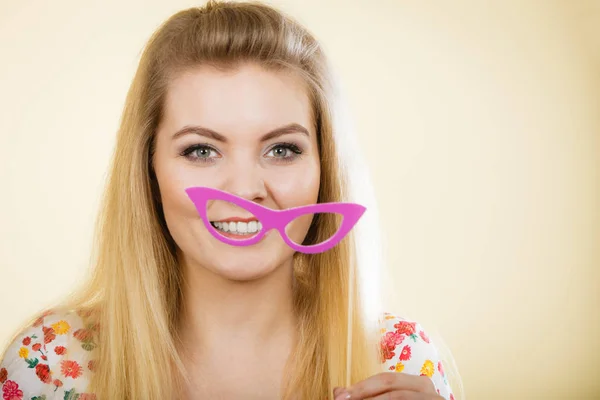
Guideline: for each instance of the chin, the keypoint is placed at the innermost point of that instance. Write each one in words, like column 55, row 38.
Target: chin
column 236, row 263
column 246, row 263
column 242, row 273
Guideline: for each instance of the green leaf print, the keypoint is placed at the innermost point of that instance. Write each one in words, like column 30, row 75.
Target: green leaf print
column 89, row 346
column 71, row 395
column 42, row 397
column 32, row 362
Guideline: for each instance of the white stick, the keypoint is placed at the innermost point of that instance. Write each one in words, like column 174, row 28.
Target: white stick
column 350, row 325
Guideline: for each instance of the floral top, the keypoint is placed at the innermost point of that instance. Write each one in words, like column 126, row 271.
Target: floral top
column 405, row 347
column 54, row 357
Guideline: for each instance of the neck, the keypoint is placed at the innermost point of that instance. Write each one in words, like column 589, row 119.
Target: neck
column 250, row 314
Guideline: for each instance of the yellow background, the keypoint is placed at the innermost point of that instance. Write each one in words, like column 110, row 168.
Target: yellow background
column 480, row 122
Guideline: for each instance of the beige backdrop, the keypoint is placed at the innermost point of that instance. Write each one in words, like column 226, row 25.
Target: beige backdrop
column 480, row 122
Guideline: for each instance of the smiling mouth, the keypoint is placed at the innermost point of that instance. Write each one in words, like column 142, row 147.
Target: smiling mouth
column 238, row 227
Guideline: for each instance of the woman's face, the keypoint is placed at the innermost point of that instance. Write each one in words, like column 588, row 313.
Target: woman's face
column 251, row 133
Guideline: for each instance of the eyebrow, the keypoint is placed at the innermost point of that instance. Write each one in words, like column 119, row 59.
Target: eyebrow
column 209, row 133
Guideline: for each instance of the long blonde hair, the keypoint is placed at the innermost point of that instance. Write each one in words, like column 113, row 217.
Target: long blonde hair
column 134, row 289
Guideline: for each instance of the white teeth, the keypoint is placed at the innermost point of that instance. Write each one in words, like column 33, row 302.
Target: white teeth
column 232, row 227
column 239, row 227
column 252, row 226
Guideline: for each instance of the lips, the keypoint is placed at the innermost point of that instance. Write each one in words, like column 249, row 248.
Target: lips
column 236, row 235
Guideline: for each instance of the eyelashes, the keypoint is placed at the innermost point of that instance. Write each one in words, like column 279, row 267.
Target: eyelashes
column 191, row 153
column 284, row 152
column 290, row 150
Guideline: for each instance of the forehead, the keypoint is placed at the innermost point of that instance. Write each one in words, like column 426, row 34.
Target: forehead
column 246, row 99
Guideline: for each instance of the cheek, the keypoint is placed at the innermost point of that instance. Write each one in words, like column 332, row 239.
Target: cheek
column 297, row 186
column 174, row 176
column 299, row 189
column 175, row 201
column 178, row 209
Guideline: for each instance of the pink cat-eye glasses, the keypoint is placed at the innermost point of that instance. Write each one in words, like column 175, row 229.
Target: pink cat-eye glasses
column 276, row 219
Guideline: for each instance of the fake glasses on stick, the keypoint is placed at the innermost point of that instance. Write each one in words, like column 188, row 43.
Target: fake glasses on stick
column 276, row 219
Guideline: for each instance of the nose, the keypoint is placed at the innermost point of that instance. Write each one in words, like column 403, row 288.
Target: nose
column 246, row 180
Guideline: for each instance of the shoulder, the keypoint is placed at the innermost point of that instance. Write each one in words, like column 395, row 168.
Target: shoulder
column 51, row 357
column 407, row 348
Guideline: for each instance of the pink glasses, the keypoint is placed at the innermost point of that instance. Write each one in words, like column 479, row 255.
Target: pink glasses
column 276, row 219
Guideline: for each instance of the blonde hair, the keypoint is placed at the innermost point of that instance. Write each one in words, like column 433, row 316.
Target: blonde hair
column 133, row 293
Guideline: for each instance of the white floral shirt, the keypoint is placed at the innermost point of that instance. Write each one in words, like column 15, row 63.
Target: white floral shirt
column 54, row 357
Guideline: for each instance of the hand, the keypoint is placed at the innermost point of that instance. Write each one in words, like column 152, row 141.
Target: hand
column 390, row 386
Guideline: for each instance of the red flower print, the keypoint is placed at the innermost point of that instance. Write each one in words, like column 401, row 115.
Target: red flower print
column 451, row 396
column 40, row 320
column 406, row 353
column 389, row 343
column 48, row 334
column 26, row 341
column 405, row 328
column 3, row 375
column 441, row 368
column 70, row 369
column 43, row 372
column 92, row 365
column 424, row 336
column 36, row 347
column 87, row 396
column 60, row 350
column 83, row 335
column 57, row 383
column 11, row 391
column 44, row 357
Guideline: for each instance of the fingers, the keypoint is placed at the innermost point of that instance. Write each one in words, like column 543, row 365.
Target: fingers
column 401, row 395
column 405, row 395
column 389, row 382
column 340, row 393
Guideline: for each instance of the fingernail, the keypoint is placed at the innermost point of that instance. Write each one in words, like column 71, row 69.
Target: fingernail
column 342, row 395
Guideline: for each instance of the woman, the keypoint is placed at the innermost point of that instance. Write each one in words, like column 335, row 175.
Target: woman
column 239, row 98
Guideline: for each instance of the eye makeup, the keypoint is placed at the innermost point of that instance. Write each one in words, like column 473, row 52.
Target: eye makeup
column 201, row 152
